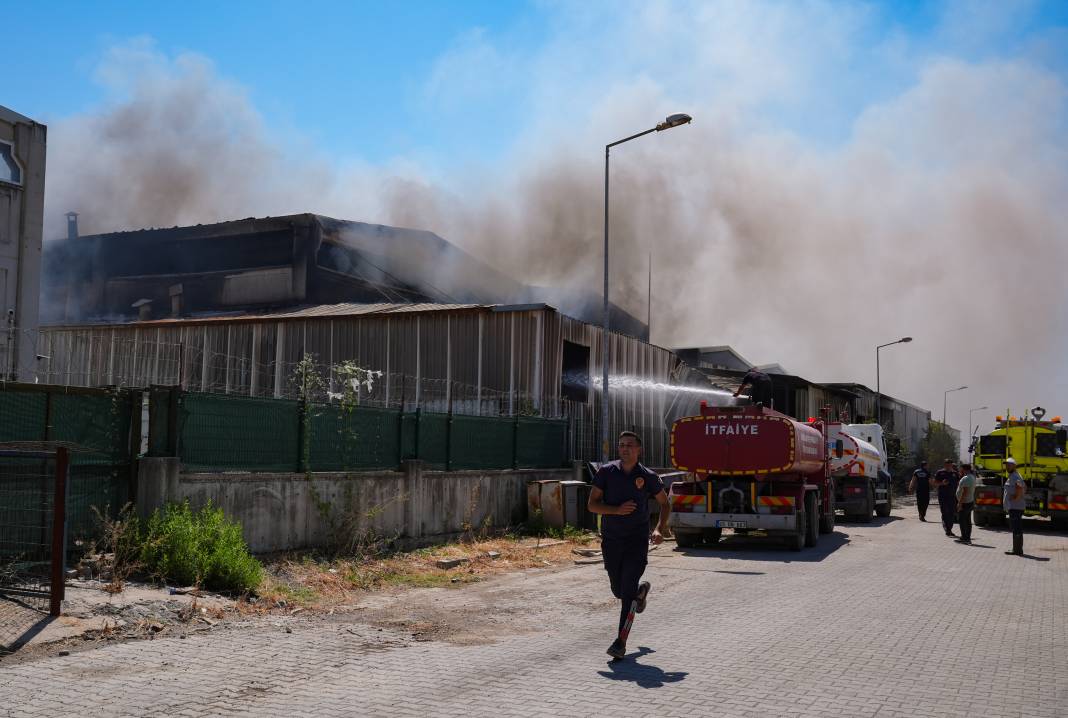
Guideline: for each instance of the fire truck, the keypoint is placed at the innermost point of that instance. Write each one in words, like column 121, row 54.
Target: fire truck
column 1041, row 451
column 750, row 469
column 858, row 466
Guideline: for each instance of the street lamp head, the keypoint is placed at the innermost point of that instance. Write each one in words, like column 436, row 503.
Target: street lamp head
column 905, row 340
column 960, row 387
column 674, row 121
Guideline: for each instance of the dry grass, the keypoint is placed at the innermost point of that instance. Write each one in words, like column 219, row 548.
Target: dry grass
column 303, row 582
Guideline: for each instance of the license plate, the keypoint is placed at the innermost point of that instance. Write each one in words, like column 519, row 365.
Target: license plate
column 732, row 525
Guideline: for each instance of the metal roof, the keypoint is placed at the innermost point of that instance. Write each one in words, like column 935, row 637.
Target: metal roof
column 9, row 115
column 321, row 311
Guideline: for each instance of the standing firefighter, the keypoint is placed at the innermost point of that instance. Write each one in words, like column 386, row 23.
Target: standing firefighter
column 946, row 480
column 921, row 484
column 621, row 492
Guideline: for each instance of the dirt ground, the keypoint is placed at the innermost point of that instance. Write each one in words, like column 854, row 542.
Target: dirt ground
column 298, row 587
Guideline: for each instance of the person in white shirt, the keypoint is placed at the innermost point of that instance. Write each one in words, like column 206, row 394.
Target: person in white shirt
column 965, row 503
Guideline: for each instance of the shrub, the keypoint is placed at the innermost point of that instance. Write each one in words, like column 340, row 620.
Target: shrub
column 202, row 548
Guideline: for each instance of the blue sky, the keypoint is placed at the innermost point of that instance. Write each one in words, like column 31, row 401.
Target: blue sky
column 358, row 79
column 348, row 75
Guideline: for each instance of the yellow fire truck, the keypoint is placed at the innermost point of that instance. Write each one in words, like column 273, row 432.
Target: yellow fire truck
column 1041, row 452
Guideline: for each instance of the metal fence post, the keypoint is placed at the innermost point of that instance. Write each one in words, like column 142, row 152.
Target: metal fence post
column 515, row 442
column 448, row 442
column 418, row 421
column 56, row 591
column 174, row 431
column 303, row 437
column 400, row 437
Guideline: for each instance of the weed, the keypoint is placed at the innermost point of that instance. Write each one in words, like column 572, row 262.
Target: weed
column 536, row 526
column 199, row 548
column 119, row 545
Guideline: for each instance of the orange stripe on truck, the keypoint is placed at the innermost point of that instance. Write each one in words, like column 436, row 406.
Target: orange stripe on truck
column 775, row 500
column 687, row 500
column 1058, row 507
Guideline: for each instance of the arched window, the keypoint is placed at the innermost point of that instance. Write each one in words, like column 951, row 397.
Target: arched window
column 9, row 166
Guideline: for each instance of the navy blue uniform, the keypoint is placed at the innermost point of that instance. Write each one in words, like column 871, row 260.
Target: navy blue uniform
column 625, row 539
column 923, row 491
column 759, row 387
column 947, row 497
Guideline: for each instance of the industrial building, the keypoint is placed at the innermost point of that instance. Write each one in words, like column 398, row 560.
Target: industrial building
column 465, row 358
column 22, row 183
column 273, row 263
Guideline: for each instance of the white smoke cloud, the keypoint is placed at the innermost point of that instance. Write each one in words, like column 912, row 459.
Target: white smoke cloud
column 841, row 185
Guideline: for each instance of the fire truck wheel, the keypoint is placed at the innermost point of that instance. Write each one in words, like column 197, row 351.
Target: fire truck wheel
column 883, row 510
column 812, row 527
column 864, row 516
column 996, row 519
column 800, row 537
column 827, row 520
column 686, row 539
column 711, row 536
column 980, row 518
column 1059, row 522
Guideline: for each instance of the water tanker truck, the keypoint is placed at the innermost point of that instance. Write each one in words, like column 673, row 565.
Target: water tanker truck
column 859, row 470
column 749, row 468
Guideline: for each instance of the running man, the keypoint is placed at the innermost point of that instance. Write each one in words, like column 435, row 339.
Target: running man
column 620, row 493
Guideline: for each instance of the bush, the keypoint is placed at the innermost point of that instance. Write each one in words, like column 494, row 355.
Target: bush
column 202, row 548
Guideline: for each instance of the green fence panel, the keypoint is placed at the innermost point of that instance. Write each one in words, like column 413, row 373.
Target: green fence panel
column 226, row 433
column 541, row 443
column 432, row 445
column 105, row 487
column 98, row 425
column 22, row 415
column 481, row 442
column 353, row 439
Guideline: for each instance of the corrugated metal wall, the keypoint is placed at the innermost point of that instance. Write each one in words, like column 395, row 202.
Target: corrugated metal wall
column 479, row 362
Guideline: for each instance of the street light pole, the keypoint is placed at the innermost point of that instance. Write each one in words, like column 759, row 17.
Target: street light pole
column 878, row 388
column 945, row 402
column 667, row 124
column 972, row 411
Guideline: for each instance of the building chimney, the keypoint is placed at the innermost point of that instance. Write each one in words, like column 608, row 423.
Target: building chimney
column 72, row 225
column 144, row 309
column 177, row 305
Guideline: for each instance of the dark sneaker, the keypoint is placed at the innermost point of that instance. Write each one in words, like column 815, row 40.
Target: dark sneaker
column 643, row 593
column 618, row 649
column 923, row 519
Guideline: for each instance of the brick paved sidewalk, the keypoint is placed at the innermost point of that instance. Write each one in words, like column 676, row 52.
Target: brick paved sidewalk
column 886, row 619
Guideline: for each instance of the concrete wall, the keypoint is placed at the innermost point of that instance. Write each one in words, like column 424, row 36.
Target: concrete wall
column 279, row 512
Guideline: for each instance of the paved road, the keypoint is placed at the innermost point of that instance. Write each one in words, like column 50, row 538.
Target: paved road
column 887, row 619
